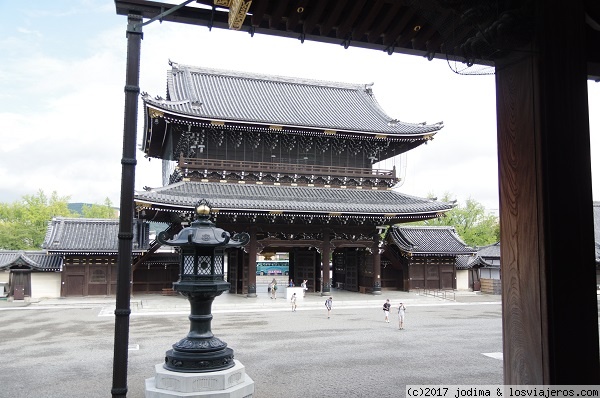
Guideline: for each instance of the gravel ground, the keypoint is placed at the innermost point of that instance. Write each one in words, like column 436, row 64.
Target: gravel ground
column 63, row 351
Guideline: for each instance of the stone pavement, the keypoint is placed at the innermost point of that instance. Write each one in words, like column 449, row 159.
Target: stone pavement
column 156, row 303
column 64, row 348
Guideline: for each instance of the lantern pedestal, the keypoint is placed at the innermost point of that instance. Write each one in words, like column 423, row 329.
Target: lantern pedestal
column 229, row 383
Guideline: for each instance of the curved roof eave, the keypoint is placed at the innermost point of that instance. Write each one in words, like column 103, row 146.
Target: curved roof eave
column 306, row 212
column 423, row 135
column 441, row 253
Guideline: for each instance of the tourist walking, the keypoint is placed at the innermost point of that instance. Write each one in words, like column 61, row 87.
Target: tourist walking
column 304, row 287
column 401, row 310
column 293, row 301
column 274, row 289
column 328, row 305
column 386, row 310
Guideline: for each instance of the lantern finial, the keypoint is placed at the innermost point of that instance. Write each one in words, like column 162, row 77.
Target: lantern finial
column 203, row 208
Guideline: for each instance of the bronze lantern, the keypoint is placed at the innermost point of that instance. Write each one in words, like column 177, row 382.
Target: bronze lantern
column 202, row 249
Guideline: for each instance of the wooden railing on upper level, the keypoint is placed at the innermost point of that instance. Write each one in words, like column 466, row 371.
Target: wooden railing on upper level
column 284, row 168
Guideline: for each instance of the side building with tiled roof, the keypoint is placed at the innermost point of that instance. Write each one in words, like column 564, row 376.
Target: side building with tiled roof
column 88, row 248
column 427, row 256
column 306, row 167
column 29, row 274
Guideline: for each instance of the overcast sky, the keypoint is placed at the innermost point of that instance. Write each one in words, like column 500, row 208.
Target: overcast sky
column 61, row 89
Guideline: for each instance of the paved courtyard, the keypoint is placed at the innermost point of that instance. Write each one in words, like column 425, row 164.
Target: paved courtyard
column 64, row 348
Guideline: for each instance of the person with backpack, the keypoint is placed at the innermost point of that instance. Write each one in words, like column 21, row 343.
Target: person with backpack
column 274, row 289
column 328, row 305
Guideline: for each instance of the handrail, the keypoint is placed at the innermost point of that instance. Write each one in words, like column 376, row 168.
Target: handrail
column 438, row 293
column 236, row 165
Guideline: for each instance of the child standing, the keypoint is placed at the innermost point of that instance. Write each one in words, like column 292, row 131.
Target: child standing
column 293, row 300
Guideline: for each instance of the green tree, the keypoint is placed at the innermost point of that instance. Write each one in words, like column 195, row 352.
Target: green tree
column 99, row 211
column 474, row 225
column 23, row 223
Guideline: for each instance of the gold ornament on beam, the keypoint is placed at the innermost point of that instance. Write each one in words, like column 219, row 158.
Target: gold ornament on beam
column 237, row 13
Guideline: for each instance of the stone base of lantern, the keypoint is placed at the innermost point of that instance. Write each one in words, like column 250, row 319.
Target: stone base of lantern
column 229, row 383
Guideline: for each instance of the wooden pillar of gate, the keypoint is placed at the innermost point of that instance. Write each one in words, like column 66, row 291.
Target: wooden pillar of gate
column 376, row 254
column 252, row 252
column 325, row 254
column 550, row 315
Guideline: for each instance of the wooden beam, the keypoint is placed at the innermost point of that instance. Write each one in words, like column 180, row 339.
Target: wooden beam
column 333, row 18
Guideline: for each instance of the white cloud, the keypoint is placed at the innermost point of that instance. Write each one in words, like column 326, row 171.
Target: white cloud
column 63, row 99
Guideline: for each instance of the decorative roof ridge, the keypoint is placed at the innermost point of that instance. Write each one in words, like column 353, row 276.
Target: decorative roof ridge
column 272, row 78
column 490, row 245
column 444, row 227
column 329, row 188
column 85, row 220
column 146, row 97
column 174, row 185
column 432, row 200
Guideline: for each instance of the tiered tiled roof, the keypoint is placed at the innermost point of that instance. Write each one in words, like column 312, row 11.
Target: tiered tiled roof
column 265, row 198
column 36, row 260
column 87, row 235
column 427, row 240
column 223, row 95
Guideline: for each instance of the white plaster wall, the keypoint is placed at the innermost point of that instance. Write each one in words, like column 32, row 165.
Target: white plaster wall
column 462, row 279
column 489, row 273
column 45, row 284
column 4, row 275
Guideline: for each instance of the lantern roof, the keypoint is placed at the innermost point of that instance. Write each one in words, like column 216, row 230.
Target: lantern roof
column 203, row 232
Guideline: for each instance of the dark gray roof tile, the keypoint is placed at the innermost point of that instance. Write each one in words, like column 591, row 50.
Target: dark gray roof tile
column 36, row 260
column 89, row 235
column 429, row 240
column 487, row 256
column 264, row 198
column 212, row 94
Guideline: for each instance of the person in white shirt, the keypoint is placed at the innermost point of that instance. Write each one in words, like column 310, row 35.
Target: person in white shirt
column 401, row 310
column 293, row 300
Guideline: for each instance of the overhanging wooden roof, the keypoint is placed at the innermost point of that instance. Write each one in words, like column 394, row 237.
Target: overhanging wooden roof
column 473, row 32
